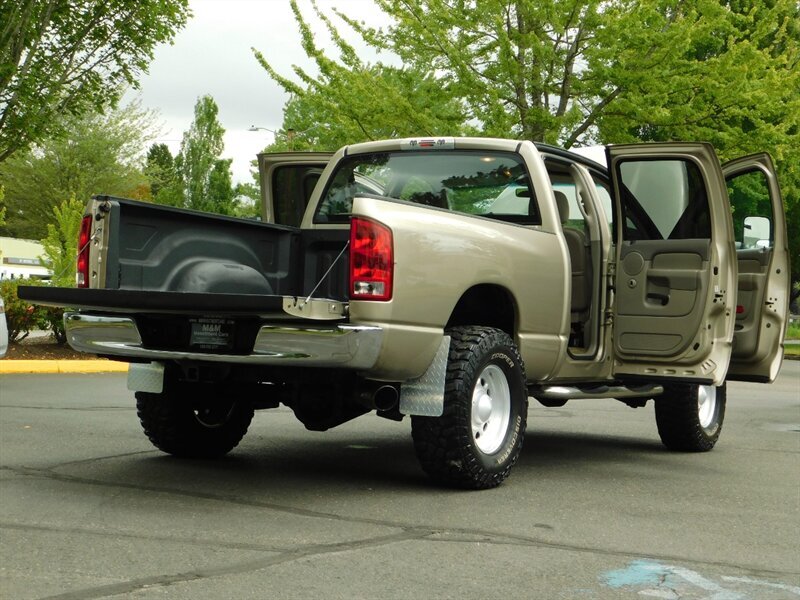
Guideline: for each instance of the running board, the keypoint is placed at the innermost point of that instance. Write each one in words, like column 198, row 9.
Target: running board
column 564, row 392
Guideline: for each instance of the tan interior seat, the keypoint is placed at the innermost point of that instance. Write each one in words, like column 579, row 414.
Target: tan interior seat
column 580, row 257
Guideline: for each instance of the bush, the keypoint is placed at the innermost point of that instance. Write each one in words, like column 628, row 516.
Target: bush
column 22, row 316
column 52, row 318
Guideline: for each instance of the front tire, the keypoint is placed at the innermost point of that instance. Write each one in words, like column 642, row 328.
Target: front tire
column 478, row 438
column 690, row 416
column 208, row 430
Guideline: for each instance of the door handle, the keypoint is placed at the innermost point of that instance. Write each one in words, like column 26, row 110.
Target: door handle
column 663, row 298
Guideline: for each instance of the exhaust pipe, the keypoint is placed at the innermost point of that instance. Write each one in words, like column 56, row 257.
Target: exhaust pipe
column 379, row 396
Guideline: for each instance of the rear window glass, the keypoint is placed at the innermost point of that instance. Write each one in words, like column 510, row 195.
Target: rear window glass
column 488, row 184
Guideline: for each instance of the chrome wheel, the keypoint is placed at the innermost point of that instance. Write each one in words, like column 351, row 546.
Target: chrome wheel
column 477, row 439
column 491, row 409
column 690, row 416
column 706, row 405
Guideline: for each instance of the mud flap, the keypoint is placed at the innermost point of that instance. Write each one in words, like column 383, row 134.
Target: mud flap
column 425, row 396
column 146, row 377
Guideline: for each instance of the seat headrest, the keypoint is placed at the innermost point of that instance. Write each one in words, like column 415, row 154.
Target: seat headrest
column 563, row 205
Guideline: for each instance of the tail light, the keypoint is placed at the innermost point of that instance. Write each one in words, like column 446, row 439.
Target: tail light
column 371, row 260
column 82, row 278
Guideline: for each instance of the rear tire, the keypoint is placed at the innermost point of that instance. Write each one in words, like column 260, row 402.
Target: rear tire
column 176, row 426
column 689, row 416
column 478, row 438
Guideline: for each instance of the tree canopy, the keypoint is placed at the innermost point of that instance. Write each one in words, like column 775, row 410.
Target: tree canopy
column 71, row 57
column 350, row 100
column 159, row 168
column 197, row 177
column 99, row 154
column 60, row 243
column 201, row 146
column 569, row 72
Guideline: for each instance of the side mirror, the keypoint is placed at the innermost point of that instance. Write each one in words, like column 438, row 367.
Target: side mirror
column 523, row 192
column 757, row 232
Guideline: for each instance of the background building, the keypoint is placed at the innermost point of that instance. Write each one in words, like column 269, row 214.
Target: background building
column 20, row 258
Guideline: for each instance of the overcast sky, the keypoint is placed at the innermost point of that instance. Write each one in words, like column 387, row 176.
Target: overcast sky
column 212, row 55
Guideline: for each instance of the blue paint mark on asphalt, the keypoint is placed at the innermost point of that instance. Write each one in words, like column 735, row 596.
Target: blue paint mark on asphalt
column 673, row 581
column 639, row 572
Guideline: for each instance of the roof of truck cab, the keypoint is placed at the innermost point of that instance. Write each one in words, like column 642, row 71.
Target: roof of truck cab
column 573, row 156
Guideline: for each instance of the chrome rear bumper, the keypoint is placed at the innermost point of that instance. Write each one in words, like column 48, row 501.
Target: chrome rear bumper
column 343, row 346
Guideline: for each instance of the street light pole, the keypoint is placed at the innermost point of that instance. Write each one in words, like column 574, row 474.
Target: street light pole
column 291, row 133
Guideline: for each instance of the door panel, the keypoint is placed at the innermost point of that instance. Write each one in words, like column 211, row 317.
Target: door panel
column 763, row 260
column 661, row 285
column 673, row 312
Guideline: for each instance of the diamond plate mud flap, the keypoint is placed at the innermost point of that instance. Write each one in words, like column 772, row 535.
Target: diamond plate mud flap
column 146, row 377
column 425, row 396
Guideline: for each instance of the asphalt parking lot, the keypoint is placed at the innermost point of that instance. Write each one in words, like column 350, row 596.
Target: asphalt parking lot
column 596, row 508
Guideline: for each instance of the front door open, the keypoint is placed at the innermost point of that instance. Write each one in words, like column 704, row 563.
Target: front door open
column 762, row 250
column 675, row 293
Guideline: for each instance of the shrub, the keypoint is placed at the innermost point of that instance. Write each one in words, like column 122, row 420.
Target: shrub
column 52, row 318
column 20, row 315
column 23, row 316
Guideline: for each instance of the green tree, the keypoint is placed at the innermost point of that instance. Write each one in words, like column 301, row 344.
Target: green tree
column 248, row 198
column 204, row 180
column 351, row 101
column 60, row 244
column 220, row 198
column 100, row 154
column 60, row 255
column 72, row 57
column 2, row 206
column 568, row 71
column 159, row 168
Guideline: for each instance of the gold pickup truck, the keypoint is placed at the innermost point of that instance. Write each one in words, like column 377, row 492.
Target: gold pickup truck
column 449, row 279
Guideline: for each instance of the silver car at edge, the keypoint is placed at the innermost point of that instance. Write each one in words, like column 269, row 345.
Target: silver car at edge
column 3, row 330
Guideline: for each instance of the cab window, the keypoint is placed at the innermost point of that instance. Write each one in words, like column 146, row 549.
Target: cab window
column 751, row 206
column 663, row 200
column 488, row 184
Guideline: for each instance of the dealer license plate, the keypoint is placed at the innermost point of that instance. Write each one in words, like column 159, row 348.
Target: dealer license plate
column 212, row 334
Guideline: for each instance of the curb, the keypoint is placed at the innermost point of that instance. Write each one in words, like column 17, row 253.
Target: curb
column 15, row 367
column 62, row 366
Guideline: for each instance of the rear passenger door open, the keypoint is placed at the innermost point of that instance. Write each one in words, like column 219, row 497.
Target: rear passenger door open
column 763, row 263
column 675, row 281
column 287, row 182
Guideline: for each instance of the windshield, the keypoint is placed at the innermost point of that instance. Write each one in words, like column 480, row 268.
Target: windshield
column 488, row 184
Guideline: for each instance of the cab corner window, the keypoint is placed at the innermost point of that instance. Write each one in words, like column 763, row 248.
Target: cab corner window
column 751, row 206
column 663, row 200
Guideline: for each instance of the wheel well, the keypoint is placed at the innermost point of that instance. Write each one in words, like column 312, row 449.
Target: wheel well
column 487, row 305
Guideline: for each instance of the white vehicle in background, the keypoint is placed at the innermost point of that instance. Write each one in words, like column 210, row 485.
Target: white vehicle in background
column 3, row 330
